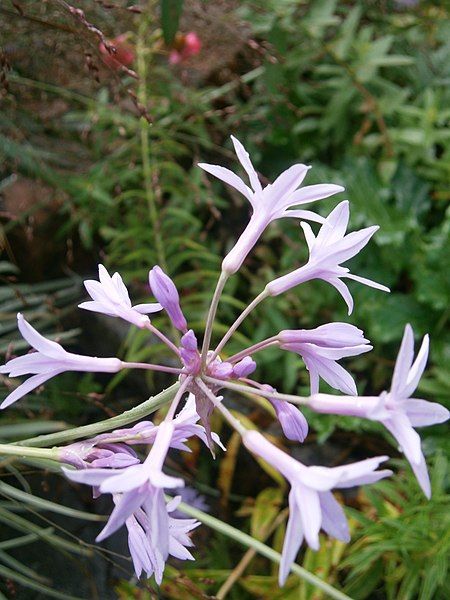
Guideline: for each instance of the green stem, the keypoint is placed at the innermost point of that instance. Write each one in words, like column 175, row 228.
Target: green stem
column 247, row 540
column 211, row 315
column 245, row 389
column 127, row 417
column 144, row 126
column 23, row 452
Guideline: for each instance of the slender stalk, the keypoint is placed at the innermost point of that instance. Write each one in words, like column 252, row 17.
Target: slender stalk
column 177, row 398
column 23, row 452
column 163, row 338
column 238, row 321
column 252, row 349
column 150, row 367
column 235, row 424
column 211, row 315
column 245, row 389
column 247, row 540
column 145, row 145
column 127, row 417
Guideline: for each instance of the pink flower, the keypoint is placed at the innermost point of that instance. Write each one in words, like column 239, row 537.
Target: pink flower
column 272, row 202
column 50, row 359
column 110, row 297
column 321, row 347
column 186, row 46
column 312, row 506
column 395, row 409
column 123, row 55
column 327, row 251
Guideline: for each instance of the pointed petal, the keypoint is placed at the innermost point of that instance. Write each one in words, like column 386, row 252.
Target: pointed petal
column 308, row 215
column 292, row 539
column 228, row 177
column 122, row 291
column 415, row 373
column 346, row 248
column 245, row 161
column 309, row 235
column 422, row 413
column 130, row 479
column 368, row 282
column 334, row 521
column 343, row 290
column 310, row 513
column 421, row 473
column 34, row 363
column 335, row 375
column 403, row 363
column 361, row 473
column 335, row 225
column 147, row 309
column 96, row 306
column 27, row 386
column 408, row 439
column 38, row 341
column 284, row 185
column 92, row 477
column 312, row 193
column 125, row 507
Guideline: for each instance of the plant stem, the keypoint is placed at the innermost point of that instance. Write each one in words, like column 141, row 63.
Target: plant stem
column 150, row 367
column 177, row 398
column 163, row 338
column 245, row 389
column 235, row 424
column 23, row 452
column 211, row 315
column 252, row 349
column 145, row 146
column 247, row 540
column 238, row 321
column 129, row 416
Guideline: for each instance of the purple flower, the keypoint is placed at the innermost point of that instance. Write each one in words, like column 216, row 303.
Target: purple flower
column 395, row 409
column 321, row 347
column 327, row 251
column 189, row 353
column 149, row 551
column 312, row 506
column 139, row 485
column 110, row 297
column 292, row 421
column 92, row 454
column 164, row 290
column 244, row 367
column 50, row 359
column 272, row 202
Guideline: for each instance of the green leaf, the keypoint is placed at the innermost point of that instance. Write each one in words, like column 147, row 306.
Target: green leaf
column 170, row 17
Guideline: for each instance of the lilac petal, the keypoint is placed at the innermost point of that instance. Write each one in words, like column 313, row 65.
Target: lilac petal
column 310, row 513
column 30, row 384
column 292, row 421
column 125, row 507
column 38, row 341
column 333, row 374
column 334, row 521
column 92, row 477
column 161, row 480
column 415, row 373
column 331, row 353
column 96, row 291
column 121, row 289
column 309, row 235
column 96, row 306
column 34, row 362
column 334, row 227
column 244, row 367
column 421, row 473
column 308, row 215
column 343, row 290
column 361, row 473
column 165, row 291
column 314, row 379
column 408, row 439
column 312, row 193
column 292, row 540
column 147, row 309
column 229, row 177
column 351, row 244
column 368, row 282
column 404, row 361
column 130, row 479
column 422, row 413
column 285, row 184
column 245, row 161
column 321, row 479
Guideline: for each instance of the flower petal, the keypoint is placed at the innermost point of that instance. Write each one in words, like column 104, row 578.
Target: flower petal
column 334, row 521
column 38, row 341
column 403, row 363
column 229, row 177
column 245, row 161
column 422, row 413
column 415, row 373
column 28, row 385
column 292, row 539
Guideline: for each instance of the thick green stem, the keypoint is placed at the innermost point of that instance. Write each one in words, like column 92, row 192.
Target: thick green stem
column 24, row 452
column 127, row 417
column 249, row 542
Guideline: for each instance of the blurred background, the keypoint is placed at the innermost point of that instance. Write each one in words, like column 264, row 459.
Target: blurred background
column 106, row 108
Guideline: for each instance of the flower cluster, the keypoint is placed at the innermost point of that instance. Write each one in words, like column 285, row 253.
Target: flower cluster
column 114, row 463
